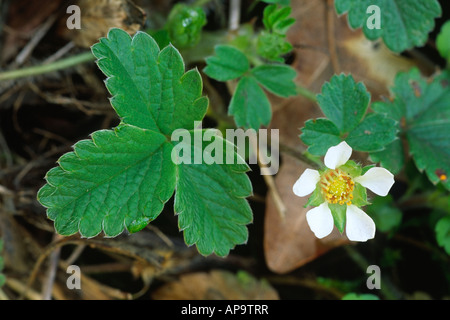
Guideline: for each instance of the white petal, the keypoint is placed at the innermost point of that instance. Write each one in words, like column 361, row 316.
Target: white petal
column 320, row 220
column 306, row 183
column 359, row 226
column 377, row 180
column 338, row 155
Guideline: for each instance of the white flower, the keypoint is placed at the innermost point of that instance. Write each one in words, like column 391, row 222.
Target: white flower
column 337, row 186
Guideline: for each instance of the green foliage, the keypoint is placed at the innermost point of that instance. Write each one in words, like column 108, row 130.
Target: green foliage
column 442, row 230
column 121, row 178
column 229, row 63
column 281, row 2
column 249, row 104
column 383, row 211
column 360, row 296
column 345, row 103
column 185, row 24
column 443, row 41
column 404, row 24
column 272, row 41
column 420, row 107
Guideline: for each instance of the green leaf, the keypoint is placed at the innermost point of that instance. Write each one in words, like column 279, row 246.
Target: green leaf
column 320, row 134
column 228, row 63
column 272, row 45
column 276, row 19
column 373, row 133
column 344, row 102
column 442, row 230
column 249, row 105
column 422, row 104
column 149, row 86
column 277, row 78
column 360, row 296
column 210, row 199
column 384, row 213
column 443, row 41
column 391, row 158
column 403, row 24
column 119, row 179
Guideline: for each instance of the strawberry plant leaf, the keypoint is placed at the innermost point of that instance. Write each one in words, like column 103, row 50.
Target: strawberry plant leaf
column 277, row 78
column 119, row 179
column 228, row 63
column 422, row 104
column 148, row 85
column 443, row 41
column 210, row 198
column 403, row 24
column 320, row 134
column 344, row 102
column 249, row 105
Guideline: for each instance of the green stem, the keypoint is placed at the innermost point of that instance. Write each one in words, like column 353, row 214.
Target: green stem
column 45, row 68
column 308, row 94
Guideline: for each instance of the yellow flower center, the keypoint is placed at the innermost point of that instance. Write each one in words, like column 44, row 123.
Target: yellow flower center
column 337, row 187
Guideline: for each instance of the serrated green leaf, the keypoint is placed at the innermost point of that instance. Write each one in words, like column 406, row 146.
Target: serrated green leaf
column 443, row 41
column 149, row 86
column 403, row 24
column 320, row 134
column 391, row 158
column 117, row 180
column 210, row 201
column 384, row 213
column 442, row 230
column 228, row 63
column 344, row 102
column 276, row 19
column 423, row 105
column 373, row 133
column 277, row 78
column 249, row 105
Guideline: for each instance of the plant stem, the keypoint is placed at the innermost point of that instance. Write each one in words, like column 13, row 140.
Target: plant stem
column 45, row 68
column 308, row 94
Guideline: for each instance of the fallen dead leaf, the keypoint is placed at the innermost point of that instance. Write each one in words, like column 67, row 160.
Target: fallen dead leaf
column 216, row 285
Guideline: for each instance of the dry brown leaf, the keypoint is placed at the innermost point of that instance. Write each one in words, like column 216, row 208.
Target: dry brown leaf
column 97, row 17
column 216, row 285
column 324, row 45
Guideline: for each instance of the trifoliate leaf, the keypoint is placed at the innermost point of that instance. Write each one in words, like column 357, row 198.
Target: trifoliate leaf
column 442, row 230
column 210, row 198
column 119, row 179
column 402, row 24
column 320, row 134
column 277, row 78
column 149, row 87
column 443, row 41
column 228, row 63
column 344, row 102
column 423, row 106
column 373, row 133
column 249, row 105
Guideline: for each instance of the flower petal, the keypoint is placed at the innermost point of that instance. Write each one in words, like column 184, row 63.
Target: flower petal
column 320, row 220
column 359, row 226
column 377, row 180
column 306, row 183
column 338, row 155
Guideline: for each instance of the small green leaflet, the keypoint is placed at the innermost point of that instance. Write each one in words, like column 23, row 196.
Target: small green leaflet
column 345, row 104
column 443, row 41
column 121, row 178
column 403, row 24
column 249, row 104
column 442, row 230
column 422, row 104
